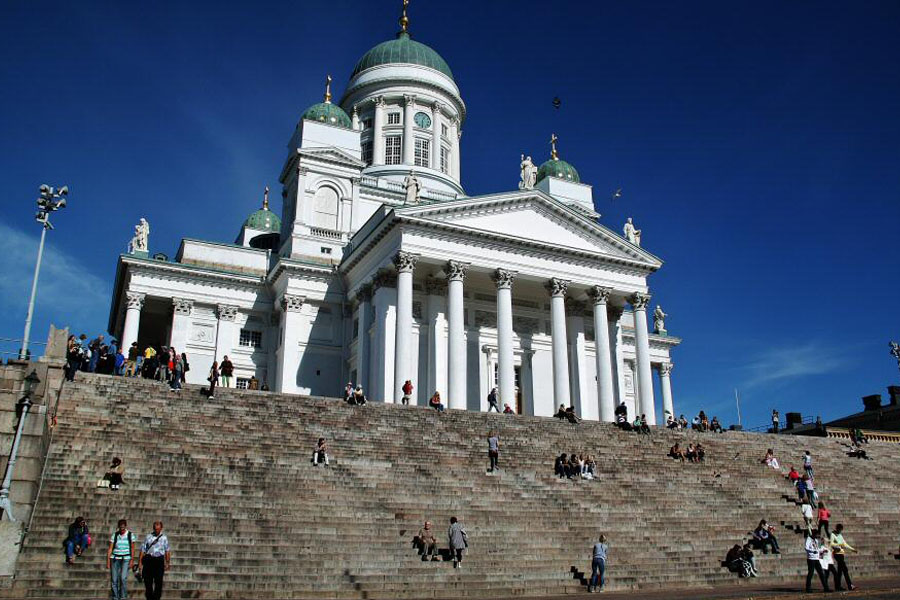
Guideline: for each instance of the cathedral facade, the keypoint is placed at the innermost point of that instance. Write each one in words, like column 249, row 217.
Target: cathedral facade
column 381, row 269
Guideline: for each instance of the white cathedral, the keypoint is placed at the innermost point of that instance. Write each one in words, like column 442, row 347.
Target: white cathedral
column 381, row 269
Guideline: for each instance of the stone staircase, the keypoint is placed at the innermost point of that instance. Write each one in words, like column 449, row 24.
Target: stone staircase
column 249, row 516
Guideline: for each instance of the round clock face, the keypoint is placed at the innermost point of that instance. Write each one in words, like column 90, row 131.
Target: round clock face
column 423, row 120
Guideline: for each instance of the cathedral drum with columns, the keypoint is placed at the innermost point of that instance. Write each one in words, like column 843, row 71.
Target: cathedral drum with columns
column 381, row 269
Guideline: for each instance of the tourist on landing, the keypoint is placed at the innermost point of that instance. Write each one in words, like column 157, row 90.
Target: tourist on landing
column 682, row 422
column 671, row 422
column 571, row 417
column 177, row 371
column 427, row 543
column 840, row 548
column 775, row 420
column 807, row 512
column 162, row 374
column 813, row 564
column 131, row 361
column 320, row 454
column 226, row 370
column 120, row 560
column 695, row 423
column 348, row 392
column 73, row 357
column 186, row 368
column 78, row 539
column 213, row 380
column 407, row 390
column 493, row 450
column 154, row 560
column 493, row 400
column 561, row 413
column 507, row 410
column 148, row 368
column 704, row 421
column 807, row 464
column 645, row 428
column 764, row 535
column 358, row 396
column 115, row 474
column 736, row 563
column 598, row 565
column 676, row 452
column 824, row 516
column 715, row 426
column 436, row 403
column 119, row 361
column 94, row 348
column 459, row 541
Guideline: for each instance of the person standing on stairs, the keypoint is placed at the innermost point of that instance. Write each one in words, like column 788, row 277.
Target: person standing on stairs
column 775, row 421
column 493, row 400
column 598, row 565
column 459, row 541
column 226, row 370
column 177, row 371
column 120, row 560
column 213, row 379
column 493, row 450
column 840, row 548
column 407, row 390
column 807, row 464
column 154, row 561
column 813, row 556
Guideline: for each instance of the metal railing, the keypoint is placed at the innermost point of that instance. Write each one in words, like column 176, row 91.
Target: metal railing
column 17, row 345
column 808, row 420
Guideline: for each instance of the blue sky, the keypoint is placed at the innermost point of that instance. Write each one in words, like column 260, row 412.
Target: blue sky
column 756, row 143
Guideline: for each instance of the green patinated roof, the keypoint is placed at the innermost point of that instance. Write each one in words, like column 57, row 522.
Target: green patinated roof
column 403, row 50
column 327, row 112
column 264, row 220
column 560, row 169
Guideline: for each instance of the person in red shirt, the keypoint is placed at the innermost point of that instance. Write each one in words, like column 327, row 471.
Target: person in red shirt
column 407, row 391
column 793, row 475
column 824, row 517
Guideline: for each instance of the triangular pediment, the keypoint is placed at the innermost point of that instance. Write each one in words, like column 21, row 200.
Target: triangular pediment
column 531, row 217
column 332, row 154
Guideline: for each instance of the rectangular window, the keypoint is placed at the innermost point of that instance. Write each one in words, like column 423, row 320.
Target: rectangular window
column 367, row 152
column 423, row 153
column 445, row 131
column 445, row 160
column 250, row 339
column 242, row 383
column 392, row 150
column 393, row 118
column 366, row 124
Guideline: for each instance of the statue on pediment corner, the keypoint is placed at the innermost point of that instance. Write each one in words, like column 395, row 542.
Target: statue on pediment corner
column 141, row 240
column 528, row 173
column 632, row 234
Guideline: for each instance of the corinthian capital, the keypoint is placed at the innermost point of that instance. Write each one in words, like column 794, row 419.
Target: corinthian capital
column 378, row 101
column 639, row 301
column 226, row 312
column 409, row 99
column 503, row 278
column 599, row 294
column 665, row 369
column 182, row 306
column 292, row 303
column 558, row 287
column 134, row 300
column 405, row 261
column 456, row 271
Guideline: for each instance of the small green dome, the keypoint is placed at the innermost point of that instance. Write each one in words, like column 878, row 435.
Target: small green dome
column 560, row 169
column 403, row 50
column 327, row 112
column 264, row 220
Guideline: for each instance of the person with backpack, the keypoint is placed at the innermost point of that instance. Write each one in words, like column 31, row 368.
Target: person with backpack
column 120, row 559
column 459, row 541
column 154, row 561
column 493, row 450
column 493, row 400
column 78, row 539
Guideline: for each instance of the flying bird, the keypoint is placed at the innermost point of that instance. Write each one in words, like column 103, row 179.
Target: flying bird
column 617, row 194
column 557, row 102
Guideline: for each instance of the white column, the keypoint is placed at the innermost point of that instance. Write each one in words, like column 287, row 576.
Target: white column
column 582, row 393
column 225, row 330
column 300, row 204
column 409, row 138
column 354, row 118
column 557, row 288
column 605, row 397
column 505, row 353
column 665, row 381
column 378, row 132
column 134, row 304
column 355, row 212
column 181, row 323
column 436, row 290
column 642, row 351
column 455, row 135
column 288, row 355
column 456, row 335
column 364, row 296
column 403, row 347
column 436, row 136
column 381, row 372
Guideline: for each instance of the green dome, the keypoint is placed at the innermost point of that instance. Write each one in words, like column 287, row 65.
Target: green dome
column 560, row 169
column 264, row 220
column 327, row 112
column 403, row 50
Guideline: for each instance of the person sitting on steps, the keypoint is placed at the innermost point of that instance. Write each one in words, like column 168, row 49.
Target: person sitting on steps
column 559, row 466
column 571, row 416
column 426, row 542
column 78, row 539
column 645, row 428
column 770, row 460
column 507, row 410
column 359, row 398
column 704, row 421
column 736, row 563
column 115, row 473
column 574, row 468
column 320, row 454
column 676, row 452
column 715, row 426
column 701, row 452
column 435, row 402
column 561, row 413
column 764, row 536
column 682, row 422
column 691, row 453
column 747, row 555
column 793, row 476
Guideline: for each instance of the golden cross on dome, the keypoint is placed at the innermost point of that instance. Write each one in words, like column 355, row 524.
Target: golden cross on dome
column 404, row 20
column 328, row 89
column 266, row 199
column 553, row 139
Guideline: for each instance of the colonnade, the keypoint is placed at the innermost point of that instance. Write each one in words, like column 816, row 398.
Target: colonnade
column 387, row 386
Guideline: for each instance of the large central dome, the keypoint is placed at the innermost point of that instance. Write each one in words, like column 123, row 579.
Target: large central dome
column 403, row 50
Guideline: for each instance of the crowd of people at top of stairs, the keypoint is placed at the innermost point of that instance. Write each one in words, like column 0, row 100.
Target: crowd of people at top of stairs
column 575, row 466
column 149, row 562
column 166, row 365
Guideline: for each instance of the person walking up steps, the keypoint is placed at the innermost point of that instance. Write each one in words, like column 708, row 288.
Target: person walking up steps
column 493, row 400
column 493, row 450
column 598, row 565
column 154, row 561
column 459, row 541
column 807, row 464
column 120, row 560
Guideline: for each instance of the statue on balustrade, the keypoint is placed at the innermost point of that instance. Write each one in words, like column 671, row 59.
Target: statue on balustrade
column 141, row 240
column 413, row 187
column 631, row 234
column 528, row 174
column 659, row 320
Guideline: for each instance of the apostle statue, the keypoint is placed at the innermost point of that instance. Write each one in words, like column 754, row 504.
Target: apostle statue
column 413, row 187
column 895, row 352
column 631, row 234
column 141, row 240
column 528, row 174
column 659, row 320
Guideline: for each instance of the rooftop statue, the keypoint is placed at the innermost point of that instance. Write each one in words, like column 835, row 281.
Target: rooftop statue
column 141, row 240
column 528, row 174
column 631, row 234
column 413, row 187
column 659, row 320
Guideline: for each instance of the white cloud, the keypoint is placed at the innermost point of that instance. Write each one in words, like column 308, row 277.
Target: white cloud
column 778, row 365
column 68, row 292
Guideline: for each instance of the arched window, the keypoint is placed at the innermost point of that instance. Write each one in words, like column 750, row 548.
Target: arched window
column 325, row 208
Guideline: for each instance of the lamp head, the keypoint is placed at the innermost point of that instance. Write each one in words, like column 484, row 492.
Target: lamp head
column 64, row 190
column 31, row 382
column 61, row 203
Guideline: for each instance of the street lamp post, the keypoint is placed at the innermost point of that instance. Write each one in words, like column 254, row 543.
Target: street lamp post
column 50, row 201
column 31, row 383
